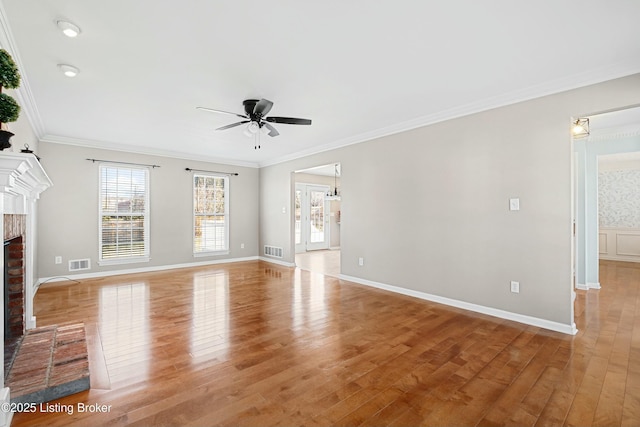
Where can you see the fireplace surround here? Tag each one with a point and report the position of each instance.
(22, 180)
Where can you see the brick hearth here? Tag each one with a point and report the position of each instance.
(50, 362)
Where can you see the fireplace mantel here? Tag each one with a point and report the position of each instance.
(22, 179)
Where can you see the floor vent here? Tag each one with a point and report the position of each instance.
(79, 264)
(273, 251)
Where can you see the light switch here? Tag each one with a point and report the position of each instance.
(514, 204)
(515, 287)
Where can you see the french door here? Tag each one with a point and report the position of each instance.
(311, 218)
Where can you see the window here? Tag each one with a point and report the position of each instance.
(124, 215)
(210, 214)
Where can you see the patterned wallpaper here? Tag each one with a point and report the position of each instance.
(619, 198)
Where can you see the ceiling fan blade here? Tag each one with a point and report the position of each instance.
(263, 107)
(232, 125)
(288, 120)
(221, 111)
(272, 130)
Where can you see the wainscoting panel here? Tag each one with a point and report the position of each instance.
(619, 244)
(602, 243)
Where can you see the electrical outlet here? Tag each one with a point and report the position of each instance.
(241, 245)
(515, 287)
(361, 261)
(58, 260)
(514, 204)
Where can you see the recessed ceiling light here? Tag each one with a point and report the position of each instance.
(69, 29)
(68, 70)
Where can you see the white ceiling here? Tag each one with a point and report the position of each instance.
(358, 69)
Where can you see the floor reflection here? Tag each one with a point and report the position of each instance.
(308, 304)
(124, 330)
(210, 325)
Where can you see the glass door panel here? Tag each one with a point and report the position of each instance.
(318, 225)
(298, 215)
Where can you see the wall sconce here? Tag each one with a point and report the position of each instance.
(580, 128)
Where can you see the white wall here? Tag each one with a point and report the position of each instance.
(68, 211)
(427, 209)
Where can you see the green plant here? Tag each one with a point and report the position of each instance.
(9, 75)
(9, 109)
(9, 78)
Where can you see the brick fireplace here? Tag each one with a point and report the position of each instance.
(22, 179)
(14, 285)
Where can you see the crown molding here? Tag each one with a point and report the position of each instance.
(54, 139)
(599, 75)
(23, 92)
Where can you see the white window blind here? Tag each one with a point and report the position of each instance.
(124, 214)
(210, 214)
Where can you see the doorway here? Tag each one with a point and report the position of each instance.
(316, 218)
(610, 133)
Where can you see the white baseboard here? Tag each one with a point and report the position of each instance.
(586, 287)
(30, 323)
(5, 400)
(516, 317)
(98, 274)
(275, 261)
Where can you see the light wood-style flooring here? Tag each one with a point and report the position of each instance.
(255, 344)
(325, 262)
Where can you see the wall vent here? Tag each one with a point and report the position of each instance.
(273, 251)
(79, 264)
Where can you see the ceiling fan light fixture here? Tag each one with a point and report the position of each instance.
(252, 129)
(256, 116)
(68, 29)
(68, 70)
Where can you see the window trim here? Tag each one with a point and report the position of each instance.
(227, 191)
(146, 257)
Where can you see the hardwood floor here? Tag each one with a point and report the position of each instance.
(254, 344)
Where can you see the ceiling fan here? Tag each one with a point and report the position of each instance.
(255, 115)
